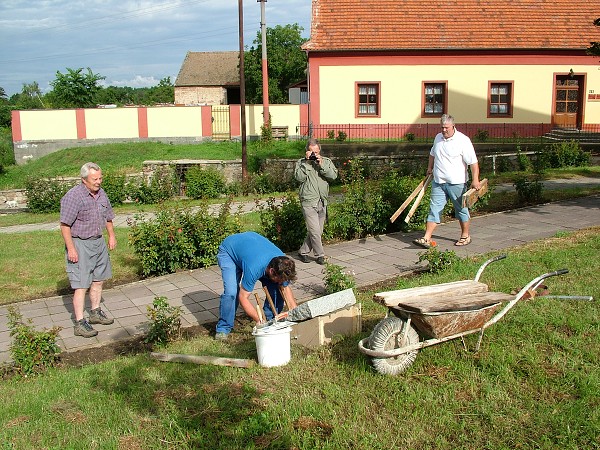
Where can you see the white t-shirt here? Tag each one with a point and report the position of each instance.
(452, 156)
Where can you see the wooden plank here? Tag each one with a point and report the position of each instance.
(453, 288)
(194, 359)
(415, 205)
(470, 197)
(445, 303)
(408, 200)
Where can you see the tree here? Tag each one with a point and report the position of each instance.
(164, 92)
(121, 95)
(75, 89)
(30, 97)
(3, 96)
(594, 48)
(285, 59)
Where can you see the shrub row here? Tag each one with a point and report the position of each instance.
(175, 239)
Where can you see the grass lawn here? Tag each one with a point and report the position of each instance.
(122, 158)
(533, 385)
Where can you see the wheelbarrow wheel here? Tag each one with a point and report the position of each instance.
(387, 335)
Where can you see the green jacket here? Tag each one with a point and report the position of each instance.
(314, 180)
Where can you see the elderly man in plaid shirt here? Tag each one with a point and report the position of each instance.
(85, 212)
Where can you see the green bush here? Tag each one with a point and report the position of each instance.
(341, 136)
(503, 164)
(482, 135)
(165, 322)
(283, 223)
(336, 279)
(32, 351)
(204, 183)
(524, 162)
(395, 189)
(43, 195)
(566, 154)
(160, 188)
(271, 179)
(266, 131)
(114, 186)
(362, 211)
(409, 137)
(176, 239)
(438, 261)
(528, 191)
(7, 154)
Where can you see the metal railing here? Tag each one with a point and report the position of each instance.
(478, 132)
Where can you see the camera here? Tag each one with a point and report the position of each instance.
(312, 157)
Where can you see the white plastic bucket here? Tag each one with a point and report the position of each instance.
(273, 346)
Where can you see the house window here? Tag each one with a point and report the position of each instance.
(434, 99)
(500, 99)
(367, 100)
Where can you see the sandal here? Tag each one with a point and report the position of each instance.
(464, 240)
(422, 242)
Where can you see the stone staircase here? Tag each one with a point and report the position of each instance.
(573, 134)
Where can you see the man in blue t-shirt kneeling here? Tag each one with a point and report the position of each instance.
(244, 259)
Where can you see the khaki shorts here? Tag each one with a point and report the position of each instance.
(93, 265)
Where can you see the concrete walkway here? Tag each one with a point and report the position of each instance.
(372, 260)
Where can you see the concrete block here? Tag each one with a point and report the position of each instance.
(321, 330)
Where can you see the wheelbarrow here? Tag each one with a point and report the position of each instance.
(437, 314)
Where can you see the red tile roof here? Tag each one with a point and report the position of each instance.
(462, 24)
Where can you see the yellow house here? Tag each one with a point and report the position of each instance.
(518, 67)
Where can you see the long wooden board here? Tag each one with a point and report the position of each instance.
(415, 205)
(444, 303)
(470, 197)
(451, 289)
(196, 359)
(409, 199)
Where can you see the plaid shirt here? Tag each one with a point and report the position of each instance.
(84, 212)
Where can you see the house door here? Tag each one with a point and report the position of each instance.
(568, 101)
(220, 122)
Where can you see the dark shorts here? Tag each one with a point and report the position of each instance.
(93, 265)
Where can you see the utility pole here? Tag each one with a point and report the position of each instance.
(243, 92)
(265, 69)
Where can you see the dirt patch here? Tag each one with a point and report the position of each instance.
(127, 347)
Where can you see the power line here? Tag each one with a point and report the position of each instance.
(110, 19)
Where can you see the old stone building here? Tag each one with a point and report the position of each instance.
(208, 78)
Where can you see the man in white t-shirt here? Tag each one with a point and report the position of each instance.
(450, 156)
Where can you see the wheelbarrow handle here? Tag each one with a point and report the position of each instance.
(485, 264)
(533, 284)
(559, 272)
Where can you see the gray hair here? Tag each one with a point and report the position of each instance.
(313, 141)
(85, 169)
(447, 118)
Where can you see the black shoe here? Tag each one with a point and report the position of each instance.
(321, 260)
(303, 258)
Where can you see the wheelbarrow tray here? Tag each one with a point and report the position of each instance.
(445, 309)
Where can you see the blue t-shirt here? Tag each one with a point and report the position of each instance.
(252, 253)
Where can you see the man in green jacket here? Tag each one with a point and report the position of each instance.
(314, 172)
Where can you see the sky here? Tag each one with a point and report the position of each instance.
(132, 43)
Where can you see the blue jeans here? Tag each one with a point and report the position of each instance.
(228, 306)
